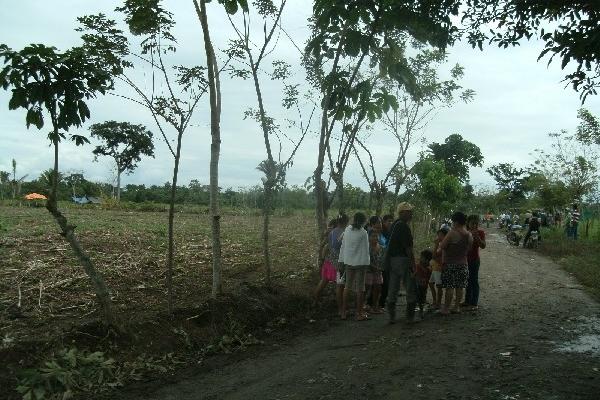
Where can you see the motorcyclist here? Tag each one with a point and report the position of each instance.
(534, 226)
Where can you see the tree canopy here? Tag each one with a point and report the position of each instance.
(457, 155)
(570, 30)
(124, 142)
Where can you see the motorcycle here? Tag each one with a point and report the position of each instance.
(533, 241)
(514, 234)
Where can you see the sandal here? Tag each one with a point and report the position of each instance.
(377, 311)
(363, 317)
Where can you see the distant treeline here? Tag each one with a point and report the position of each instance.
(292, 197)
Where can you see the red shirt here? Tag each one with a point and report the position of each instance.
(473, 254)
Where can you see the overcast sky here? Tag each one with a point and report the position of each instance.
(518, 102)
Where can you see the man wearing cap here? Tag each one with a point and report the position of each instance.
(400, 260)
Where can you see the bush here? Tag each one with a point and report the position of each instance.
(68, 373)
(580, 257)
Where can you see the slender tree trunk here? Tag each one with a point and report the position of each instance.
(171, 240)
(379, 198)
(339, 182)
(118, 185)
(68, 231)
(269, 183)
(215, 147)
(265, 236)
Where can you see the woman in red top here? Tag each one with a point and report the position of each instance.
(472, 295)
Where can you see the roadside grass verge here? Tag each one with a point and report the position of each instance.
(579, 257)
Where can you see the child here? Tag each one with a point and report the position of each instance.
(435, 282)
(327, 269)
(422, 275)
(374, 278)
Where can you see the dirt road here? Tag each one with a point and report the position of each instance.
(536, 336)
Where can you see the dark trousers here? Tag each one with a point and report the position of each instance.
(421, 294)
(384, 287)
(528, 235)
(472, 296)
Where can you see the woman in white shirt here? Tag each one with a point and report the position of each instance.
(354, 255)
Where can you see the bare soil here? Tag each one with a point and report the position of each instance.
(535, 336)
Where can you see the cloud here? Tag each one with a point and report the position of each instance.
(518, 102)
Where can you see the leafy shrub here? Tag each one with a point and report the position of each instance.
(67, 373)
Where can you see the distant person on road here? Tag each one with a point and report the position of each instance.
(473, 262)
(400, 261)
(455, 274)
(435, 281)
(422, 276)
(573, 223)
(328, 272)
(534, 226)
(354, 255)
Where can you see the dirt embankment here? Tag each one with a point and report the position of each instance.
(536, 336)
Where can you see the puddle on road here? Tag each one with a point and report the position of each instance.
(587, 330)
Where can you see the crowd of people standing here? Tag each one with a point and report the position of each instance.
(374, 258)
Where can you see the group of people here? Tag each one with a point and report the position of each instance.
(374, 258)
(533, 221)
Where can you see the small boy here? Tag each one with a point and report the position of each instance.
(422, 276)
(435, 282)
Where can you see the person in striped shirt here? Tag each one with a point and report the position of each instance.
(572, 228)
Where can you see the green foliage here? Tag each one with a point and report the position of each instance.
(588, 131)
(124, 142)
(352, 30)
(510, 180)
(150, 19)
(571, 162)
(457, 155)
(43, 79)
(66, 374)
(570, 30)
(436, 186)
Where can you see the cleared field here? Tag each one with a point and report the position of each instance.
(129, 250)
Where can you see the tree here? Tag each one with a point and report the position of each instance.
(16, 183)
(241, 50)
(4, 181)
(73, 180)
(588, 131)
(46, 179)
(457, 155)
(348, 35)
(570, 30)
(125, 143)
(214, 90)
(511, 181)
(109, 45)
(407, 121)
(571, 162)
(44, 80)
(439, 189)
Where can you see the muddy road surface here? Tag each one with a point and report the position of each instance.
(536, 336)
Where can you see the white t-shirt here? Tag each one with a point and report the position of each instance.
(355, 247)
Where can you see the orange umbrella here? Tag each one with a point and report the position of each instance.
(35, 196)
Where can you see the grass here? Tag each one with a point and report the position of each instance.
(128, 247)
(579, 257)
